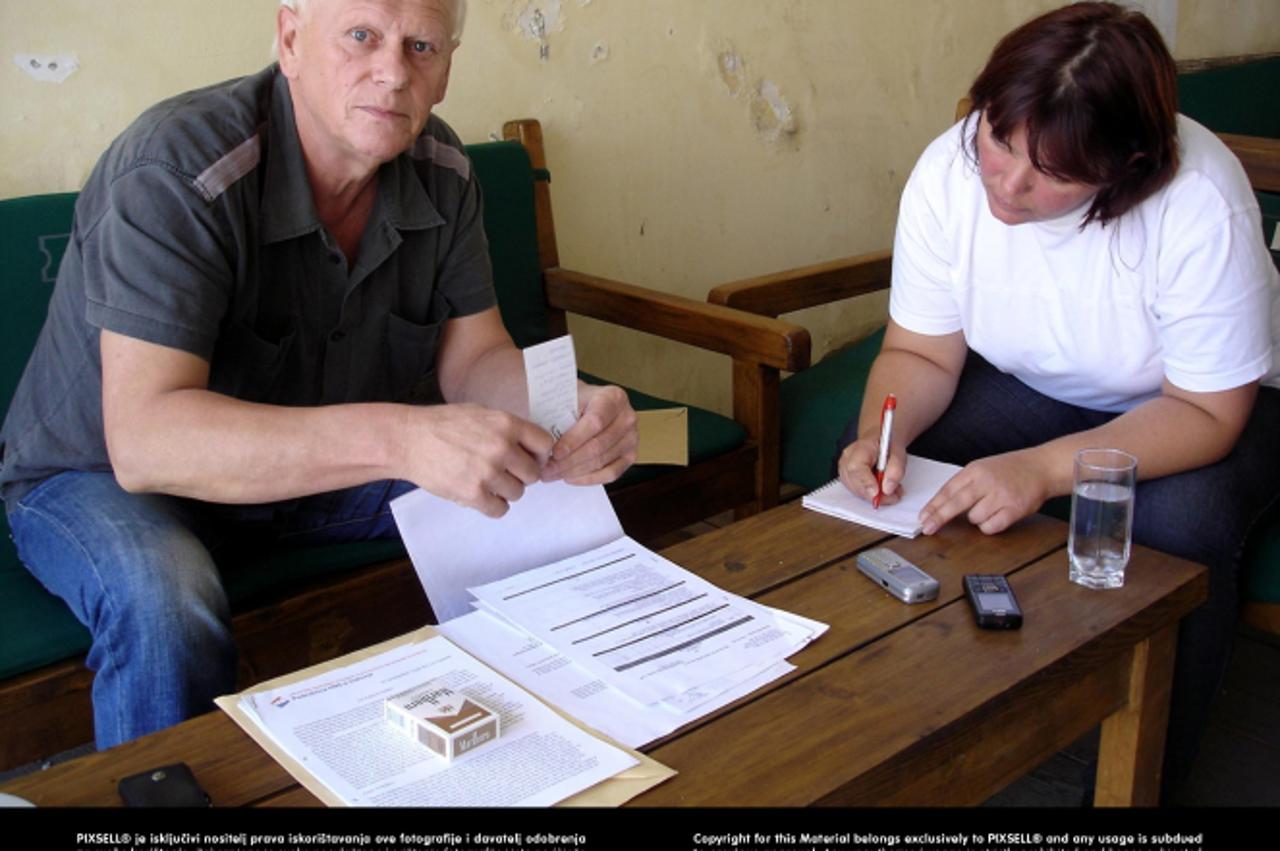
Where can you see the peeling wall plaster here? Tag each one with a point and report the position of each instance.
(771, 114)
(537, 20)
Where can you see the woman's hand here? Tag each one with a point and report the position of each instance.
(996, 492)
(857, 468)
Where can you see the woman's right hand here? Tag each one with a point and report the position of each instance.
(857, 468)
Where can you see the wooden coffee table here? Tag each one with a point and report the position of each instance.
(896, 704)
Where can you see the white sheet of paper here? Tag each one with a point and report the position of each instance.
(334, 725)
(923, 479)
(551, 373)
(453, 547)
(637, 621)
(557, 680)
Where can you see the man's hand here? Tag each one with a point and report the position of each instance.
(996, 492)
(602, 443)
(472, 455)
(857, 469)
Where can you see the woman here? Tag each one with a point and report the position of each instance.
(1076, 266)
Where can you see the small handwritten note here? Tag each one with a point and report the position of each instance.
(551, 371)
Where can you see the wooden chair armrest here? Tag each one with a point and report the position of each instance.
(1260, 157)
(743, 336)
(807, 286)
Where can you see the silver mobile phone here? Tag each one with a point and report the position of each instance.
(898, 576)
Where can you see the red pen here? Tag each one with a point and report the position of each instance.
(886, 434)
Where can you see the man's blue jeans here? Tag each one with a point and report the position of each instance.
(139, 571)
(1203, 515)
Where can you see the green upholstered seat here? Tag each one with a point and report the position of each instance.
(35, 627)
(816, 404)
(1237, 98)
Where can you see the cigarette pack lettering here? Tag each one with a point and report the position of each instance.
(443, 721)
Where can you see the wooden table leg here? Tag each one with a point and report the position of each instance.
(1131, 752)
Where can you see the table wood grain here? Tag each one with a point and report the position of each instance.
(895, 704)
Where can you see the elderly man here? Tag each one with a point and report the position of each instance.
(269, 283)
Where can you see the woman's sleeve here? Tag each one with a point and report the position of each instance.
(922, 297)
(1215, 292)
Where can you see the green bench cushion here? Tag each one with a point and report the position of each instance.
(506, 178)
(816, 405)
(1234, 98)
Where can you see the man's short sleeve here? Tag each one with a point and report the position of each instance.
(465, 272)
(155, 266)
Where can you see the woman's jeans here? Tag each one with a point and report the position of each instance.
(1203, 515)
(138, 570)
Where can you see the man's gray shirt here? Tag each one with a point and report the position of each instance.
(197, 231)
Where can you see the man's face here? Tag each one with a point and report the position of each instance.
(1016, 192)
(364, 75)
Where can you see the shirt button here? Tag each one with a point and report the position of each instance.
(337, 336)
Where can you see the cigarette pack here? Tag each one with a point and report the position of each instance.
(443, 721)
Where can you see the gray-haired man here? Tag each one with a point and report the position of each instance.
(267, 280)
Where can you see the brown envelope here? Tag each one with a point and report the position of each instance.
(664, 436)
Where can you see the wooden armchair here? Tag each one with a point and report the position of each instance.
(738, 470)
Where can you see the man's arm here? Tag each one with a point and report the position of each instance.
(167, 432)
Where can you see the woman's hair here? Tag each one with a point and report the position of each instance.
(1096, 90)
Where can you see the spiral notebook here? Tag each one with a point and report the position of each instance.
(923, 479)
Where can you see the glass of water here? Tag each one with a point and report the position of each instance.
(1101, 517)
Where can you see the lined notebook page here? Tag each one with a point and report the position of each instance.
(924, 478)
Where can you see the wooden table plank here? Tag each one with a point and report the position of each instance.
(771, 548)
(890, 687)
(227, 763)
(1131, 751)
(832, 729)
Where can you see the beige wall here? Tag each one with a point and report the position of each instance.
(692, 141)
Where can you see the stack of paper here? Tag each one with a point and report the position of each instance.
(615, 635)
(328, 730)
(923, 479)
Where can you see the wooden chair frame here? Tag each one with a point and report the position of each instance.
(745, 479)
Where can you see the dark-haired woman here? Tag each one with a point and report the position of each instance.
(1076, 265)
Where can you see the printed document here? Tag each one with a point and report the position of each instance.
(562, 683)
(924, 478)
(639, 622)
(332, 724)
(454, 547)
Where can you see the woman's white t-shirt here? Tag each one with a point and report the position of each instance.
(1181, 286)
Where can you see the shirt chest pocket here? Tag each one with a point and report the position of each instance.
(412, 349)
(252, 366)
